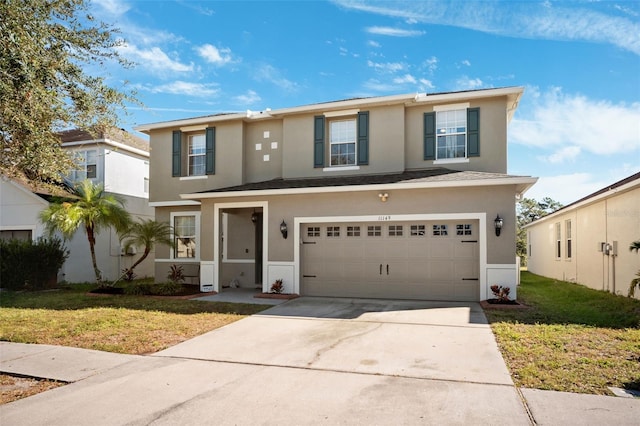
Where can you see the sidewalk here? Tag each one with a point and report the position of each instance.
(128, 381)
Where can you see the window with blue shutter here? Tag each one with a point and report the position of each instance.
(176, 163)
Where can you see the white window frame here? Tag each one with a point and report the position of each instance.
(80, 158)
(198, 244)
(344, 142)
(202, 154)
(438, 109)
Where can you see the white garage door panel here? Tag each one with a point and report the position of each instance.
(407, 260)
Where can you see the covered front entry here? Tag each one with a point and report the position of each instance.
(432, 260)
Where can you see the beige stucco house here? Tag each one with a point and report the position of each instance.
(587, 242)
(116, 159)
(382, 197)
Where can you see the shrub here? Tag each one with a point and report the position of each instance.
(277, 287)
(139, 289)
(168, 288)
(176, 274)
(31, 265)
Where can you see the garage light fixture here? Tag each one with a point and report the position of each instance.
(383, 196)
(283, 229)
(498, 224)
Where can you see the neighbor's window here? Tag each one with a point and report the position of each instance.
(567, 230)
(342, 138)
(184, 234)
(197, 155)
(558, 241)
(16, 234)
(87, 162)
(451, 133)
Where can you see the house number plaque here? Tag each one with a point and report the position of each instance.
(383, 218)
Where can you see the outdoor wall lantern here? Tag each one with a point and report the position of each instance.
(254, 216)
(498, 224)
(283, 229)
(383, 196)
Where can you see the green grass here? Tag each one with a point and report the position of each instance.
(571, 338)
(123, 324)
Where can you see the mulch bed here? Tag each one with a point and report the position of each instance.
(495, 304)
(276, 296)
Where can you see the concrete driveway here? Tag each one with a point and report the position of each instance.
(308, 361)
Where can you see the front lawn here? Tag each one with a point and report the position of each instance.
(571, 338)
(114, 323)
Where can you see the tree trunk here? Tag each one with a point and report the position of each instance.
(92, 243)
(147, 250)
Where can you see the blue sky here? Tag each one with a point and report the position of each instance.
(577, 127)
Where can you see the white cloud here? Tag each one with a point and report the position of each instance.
(405, 79)
(387, 67)
(373, 43)
(466, 63)
(249, 98)
(564, 21)
(112, 7)
(214, 55)
(393, 32)
(378, 86)
(559, 120)
(186, 88)
(466, 83)
(431, 64)
(154, 58)
(271, 74)
(426, 84)
(568, 153)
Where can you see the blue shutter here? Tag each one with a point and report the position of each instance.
(318, 141)
(429, 135)
(473, 132)
(210, 151)
(176, 154)
(363, 138)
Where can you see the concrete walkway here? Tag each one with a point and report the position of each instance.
(308, 361)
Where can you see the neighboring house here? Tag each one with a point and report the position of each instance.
(383, 197)
(587, 242)
(115, 159)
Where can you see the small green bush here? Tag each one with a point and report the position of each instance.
(146, 289)
(167, 289)
(139, 289)
(31, 265)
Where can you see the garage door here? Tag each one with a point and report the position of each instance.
(397, 260)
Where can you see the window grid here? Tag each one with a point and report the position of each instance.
(417, 230)
(558, 241)
(333, 231)
(464, 229)
(568, 234)
(342, 141)
(353, 231)
(374, 231)
(87, 162)
(313, 231)
(184, 231)
(395, 230)
(451, 128)
(197, 155)
(440, 231)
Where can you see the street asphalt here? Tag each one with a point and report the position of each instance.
(306, 361)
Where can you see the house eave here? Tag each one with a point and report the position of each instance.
(114, 144)
(522, 185)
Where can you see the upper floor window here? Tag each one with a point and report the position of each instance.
(342, 137)
(452, 133)
(451, 127)
(87, 163)
(197, 155)
(194, 154)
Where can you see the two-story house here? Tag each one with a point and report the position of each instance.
(116, 159)
(399, 197)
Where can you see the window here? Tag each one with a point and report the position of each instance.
(440, 231)
(451, 128)
(451, 133)
(184, 236)
(558, 241)
(87, 163)
(197, 155)
(16, 234)
(567, 231)
(374, 231)
(529, 241)
(146, 185)
(342, 139)
(333, 231)
(463, 229)
(395, 230)
(417, 230)
(353, 231)
(313, 231)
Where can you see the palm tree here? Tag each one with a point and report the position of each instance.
(146, 233)
(635, 246)
(90, 208)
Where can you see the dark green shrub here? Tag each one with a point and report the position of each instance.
(139, 289)
(31, 265)
(167, 289)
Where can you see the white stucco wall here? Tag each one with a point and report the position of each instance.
(19, 208)
(124, 173)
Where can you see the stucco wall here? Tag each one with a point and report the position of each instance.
(20, 209)
(614, 219)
